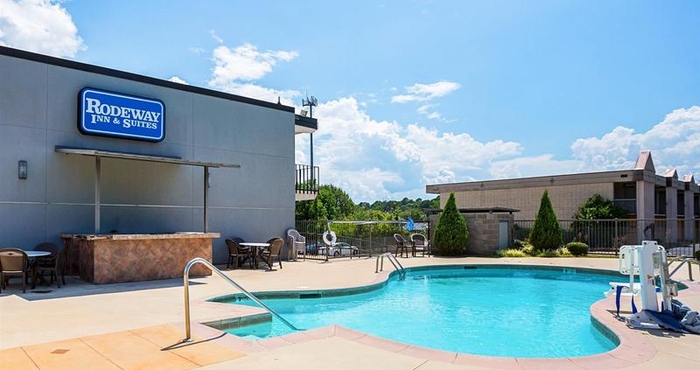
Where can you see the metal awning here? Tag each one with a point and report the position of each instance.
(98, 154)
(140, 157)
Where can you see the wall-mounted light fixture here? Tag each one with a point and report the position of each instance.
(22, 170)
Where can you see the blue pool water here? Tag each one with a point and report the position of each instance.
(508, 312)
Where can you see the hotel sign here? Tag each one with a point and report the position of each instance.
(107, 113)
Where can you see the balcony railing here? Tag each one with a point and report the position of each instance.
(306, 179)
(630, 205)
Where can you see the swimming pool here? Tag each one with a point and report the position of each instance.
(485, 310)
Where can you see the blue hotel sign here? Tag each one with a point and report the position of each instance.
(107, 113)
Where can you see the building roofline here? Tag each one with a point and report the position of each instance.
(70, 64)
(553, 180)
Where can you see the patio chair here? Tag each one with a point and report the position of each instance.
(238, 254)
(53, 263)
(419, 243)
(14, 262)
(296, 244)
(401, 245)
(267, 255)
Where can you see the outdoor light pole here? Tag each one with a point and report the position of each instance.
(311, 102)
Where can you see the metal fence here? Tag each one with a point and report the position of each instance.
(369, 238)
(354, 238)
(679, 237)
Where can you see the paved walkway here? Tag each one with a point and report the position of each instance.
(140, 326)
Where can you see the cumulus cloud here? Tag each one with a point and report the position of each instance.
(246, 63)
(673, 142)
(385, 160)
(41, 26)
(426, 92)
(236, 69)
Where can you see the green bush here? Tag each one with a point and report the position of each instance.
(451, 233)
(563, 252)
(577, 248)
(519, 244)
(528, 249)
(697, 254)
(546, 232)
(511, 253)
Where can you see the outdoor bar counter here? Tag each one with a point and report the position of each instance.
(119, 258)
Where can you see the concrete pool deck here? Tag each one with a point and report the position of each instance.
(139, 326)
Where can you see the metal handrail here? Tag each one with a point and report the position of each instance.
(186, 283)
(397, 265)
(683, 261)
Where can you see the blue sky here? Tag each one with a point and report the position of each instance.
(418, 92)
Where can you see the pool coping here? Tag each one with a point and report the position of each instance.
(634, 346)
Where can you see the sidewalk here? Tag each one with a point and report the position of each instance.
(126, 326)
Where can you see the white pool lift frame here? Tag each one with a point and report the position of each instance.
(649, 262)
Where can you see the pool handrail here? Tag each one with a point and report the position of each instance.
(397, 265)
(186, 285)
(683, 260)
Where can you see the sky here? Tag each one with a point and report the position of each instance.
(417, 92)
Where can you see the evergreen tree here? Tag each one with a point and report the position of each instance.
(546, 233)
(451, 233)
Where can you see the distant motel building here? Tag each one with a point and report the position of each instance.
(650, 198)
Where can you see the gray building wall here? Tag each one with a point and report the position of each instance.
(38, 110)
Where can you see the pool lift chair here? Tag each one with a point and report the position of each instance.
(648, 262)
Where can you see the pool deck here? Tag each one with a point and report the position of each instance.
(140, 326)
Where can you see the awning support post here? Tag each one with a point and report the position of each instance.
(206, 196)
(98, 172)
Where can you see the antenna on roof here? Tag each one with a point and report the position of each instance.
(311, 102)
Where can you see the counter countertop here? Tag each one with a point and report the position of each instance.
(178, 235)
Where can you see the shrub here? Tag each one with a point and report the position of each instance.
(577, 248)
(511, 253)
(697, 254)
(548, 253)
(563, 252)
(546, 232)
(529, 249)
(519, 244)
(451, 233)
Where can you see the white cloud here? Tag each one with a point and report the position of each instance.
(41, 26)
(245, 63)
(286, 97)
(216, 37)
(426, 92)
(382, 160)
(674, 143)
(235, 68)
(178, 80)
(428, 111)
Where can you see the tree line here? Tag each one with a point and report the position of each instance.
(332, 203)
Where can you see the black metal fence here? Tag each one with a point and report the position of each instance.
(306, 179)
(679, 237)
(353, 238)
(367, 238)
